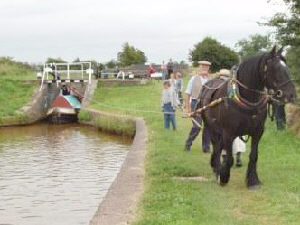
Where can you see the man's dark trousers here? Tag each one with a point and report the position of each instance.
(280, 116)
(195, 131)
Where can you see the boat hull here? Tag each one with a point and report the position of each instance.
(62, 115)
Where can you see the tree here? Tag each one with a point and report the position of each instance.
(254, 45)
(288, 33)
(77, 60)
(131, 55)
(218, 54)
(111, 64)
(287, 24)
(293, 56)
(55, 60)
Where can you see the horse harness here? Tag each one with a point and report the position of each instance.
(235, 100)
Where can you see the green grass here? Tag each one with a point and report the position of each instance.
(13, 70)
(170, 201)
(110, 123)
(14, 91)
(13, 95)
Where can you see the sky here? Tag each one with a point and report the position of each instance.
(32, 30)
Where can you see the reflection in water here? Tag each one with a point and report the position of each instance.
(56, 174)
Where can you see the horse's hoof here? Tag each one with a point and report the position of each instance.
(220, 182)
(254, 187)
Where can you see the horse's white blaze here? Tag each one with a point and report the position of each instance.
(283, 63)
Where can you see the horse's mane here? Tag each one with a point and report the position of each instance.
(252, 65)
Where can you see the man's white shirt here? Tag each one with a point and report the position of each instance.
(190, 84)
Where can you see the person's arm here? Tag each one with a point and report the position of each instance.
(162, 101)
(174, 100)
(188, 104)
(188, 93)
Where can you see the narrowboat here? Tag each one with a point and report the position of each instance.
(64, 109)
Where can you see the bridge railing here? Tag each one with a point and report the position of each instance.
(67, 72)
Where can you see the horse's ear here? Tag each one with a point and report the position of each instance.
(273, 51)
(280, 51)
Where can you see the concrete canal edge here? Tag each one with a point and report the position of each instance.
(120, 203)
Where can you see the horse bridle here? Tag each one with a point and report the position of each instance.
(279, 92)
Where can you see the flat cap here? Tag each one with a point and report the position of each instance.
(204, 63)
(224, 72)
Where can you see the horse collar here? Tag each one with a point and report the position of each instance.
(233, 93)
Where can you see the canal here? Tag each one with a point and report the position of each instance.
(56, 174)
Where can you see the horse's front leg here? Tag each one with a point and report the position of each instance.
(216, 154)
(228, 159)
(252, 177)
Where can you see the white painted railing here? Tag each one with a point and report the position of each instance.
(59, 69)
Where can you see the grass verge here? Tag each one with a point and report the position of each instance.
(13, 95)
(171, 201)
(109, 123)
(15, 92)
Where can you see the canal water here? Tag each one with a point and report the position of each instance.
(56, 174)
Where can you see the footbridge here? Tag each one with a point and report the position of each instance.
(69, 72)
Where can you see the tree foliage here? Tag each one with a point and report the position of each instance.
(287, 24)
(218, 54)
(111, 64)
(131, 55)
(254, 45)
(288, 33)
(293, 60)
(55, 60)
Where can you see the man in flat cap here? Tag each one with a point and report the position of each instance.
(193, 91)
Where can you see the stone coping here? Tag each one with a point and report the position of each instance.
(120, 203)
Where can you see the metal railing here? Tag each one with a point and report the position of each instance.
(57, 70)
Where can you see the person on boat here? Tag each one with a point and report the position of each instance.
(193, 91)
(65, 90)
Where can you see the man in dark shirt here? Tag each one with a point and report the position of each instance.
(280, 116)
(170, 68)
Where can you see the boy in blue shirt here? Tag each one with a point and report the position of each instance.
(169, 104)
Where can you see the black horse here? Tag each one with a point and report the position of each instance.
(243, 109)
